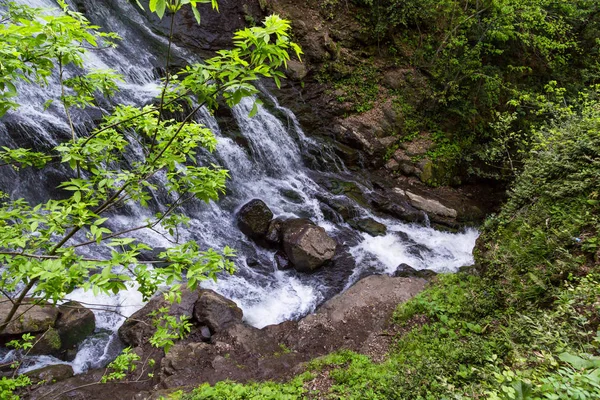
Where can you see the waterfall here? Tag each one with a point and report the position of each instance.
(270, 167)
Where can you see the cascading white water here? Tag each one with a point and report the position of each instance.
(270, 168)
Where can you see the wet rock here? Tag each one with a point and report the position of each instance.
(370, 226)
(406, 271)
(273, 236)
(74, 324)
(292, 195)
(138, 328)
(254, 218)
(431, 206)
(350, 156)
(282, 262)
(329, 213)
(426, 274)
(342, 206)
(215, 311)
(307, 245)
(35, 319)
(50, 374)
(47, 343)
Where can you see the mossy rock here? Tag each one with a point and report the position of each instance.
(370, 226)
(47, 343)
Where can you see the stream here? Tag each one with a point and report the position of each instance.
(270, 165)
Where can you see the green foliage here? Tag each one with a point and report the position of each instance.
(358, 84)
(121, 366)
(9, 385)
(478, 57)
(259, 391)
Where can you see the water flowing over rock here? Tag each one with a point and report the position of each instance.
(268, 156)
(307, 246)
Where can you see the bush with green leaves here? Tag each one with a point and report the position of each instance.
(41, 244)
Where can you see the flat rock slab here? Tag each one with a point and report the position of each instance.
(28, 318)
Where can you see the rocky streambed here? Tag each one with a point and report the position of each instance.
(221, 346)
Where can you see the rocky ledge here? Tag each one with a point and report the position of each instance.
(221, 346)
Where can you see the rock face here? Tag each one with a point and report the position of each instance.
(215, 311)
(306, 245)
(254, 218)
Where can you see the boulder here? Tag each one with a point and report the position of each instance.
(307, 245)
(404, 271)
(138, 328)
(50, 374)
(74, 324)
(215, 311)
(370, 226)
(47, 343)
(254, 218)
(34, 319)
(430, 206)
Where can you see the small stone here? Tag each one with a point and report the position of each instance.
(392, 165)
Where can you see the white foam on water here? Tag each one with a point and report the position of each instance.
(426, 248)
(279, 300)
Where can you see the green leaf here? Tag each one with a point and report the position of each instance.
(196, 14)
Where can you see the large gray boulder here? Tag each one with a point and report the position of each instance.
(215, 311)
(254, 218)
(307, 245)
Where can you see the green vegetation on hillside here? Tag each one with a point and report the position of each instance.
(487, 68)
